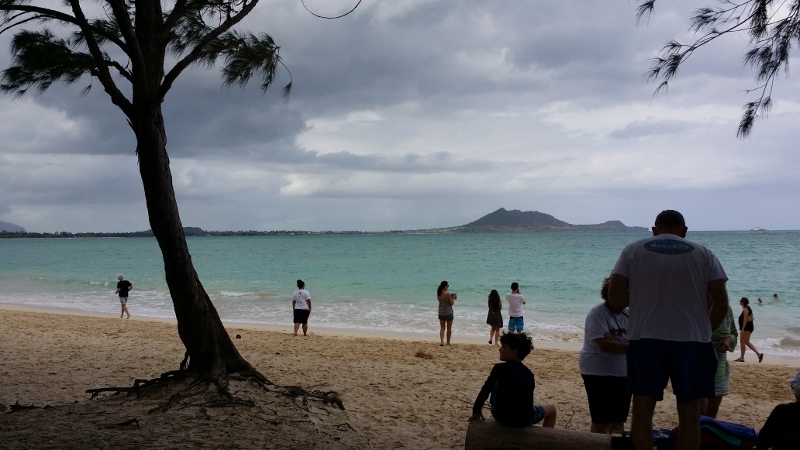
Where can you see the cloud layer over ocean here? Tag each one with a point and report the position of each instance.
(422, 114)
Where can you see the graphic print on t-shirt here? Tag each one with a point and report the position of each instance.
(669, 247)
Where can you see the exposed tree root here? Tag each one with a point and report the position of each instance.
(255, 377)
(17, 407)
(141, 387)
(328, 398)
(133, 421)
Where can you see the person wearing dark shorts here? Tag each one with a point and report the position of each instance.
(690, 366)
(123, 287)
(301, 307)
(746, 326)
(445, 311)
(603, 367)
(676, 292)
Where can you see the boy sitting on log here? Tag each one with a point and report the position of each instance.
(511, 386)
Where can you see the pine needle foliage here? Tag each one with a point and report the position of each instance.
(771, 27)
(107, 47)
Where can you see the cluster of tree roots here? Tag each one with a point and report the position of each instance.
(142, 387)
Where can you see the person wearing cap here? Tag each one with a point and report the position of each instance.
(676, 294)
(780, 430)
(123, 287)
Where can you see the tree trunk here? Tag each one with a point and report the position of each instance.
(211, 351)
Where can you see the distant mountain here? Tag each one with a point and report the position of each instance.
(503, 220)
(11, 228)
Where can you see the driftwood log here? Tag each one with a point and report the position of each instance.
(488, 434)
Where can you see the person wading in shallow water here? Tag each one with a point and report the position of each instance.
(446, 300)
(746, 328)
(123, 287)
(301, 307)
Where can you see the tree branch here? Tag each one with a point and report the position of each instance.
(62, 17)
(128, 33)
(772, 27)
(174, 17)
(198, 50)
(16, 24)
(103, 74)
(122, 70)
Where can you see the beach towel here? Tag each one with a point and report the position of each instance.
(720, 435)
(662, 440)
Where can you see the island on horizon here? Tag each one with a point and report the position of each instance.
(499, 221)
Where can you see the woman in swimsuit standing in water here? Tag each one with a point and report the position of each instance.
(746, 327)
(446, 301)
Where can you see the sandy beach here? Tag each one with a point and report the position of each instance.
(397, 393)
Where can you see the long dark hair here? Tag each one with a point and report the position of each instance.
(746, 304)
(442, 285)
(494, 301)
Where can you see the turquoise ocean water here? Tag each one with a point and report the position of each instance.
(387, 282)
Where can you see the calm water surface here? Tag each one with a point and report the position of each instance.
(388, 281)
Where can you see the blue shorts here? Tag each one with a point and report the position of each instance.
(690, 366)
(516, 323)
(123, 300)
(537, 415)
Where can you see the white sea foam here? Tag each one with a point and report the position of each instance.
(235, 294)
(387, 282)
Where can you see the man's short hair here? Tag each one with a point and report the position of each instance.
(670, 217)
(514, 286)
(521, 342)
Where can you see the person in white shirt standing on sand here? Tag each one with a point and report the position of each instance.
(515, 301)
(301, 307)
(669, 284)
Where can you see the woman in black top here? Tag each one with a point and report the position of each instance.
(746, 329)
(495, 317)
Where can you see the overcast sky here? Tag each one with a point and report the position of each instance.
(420, 114)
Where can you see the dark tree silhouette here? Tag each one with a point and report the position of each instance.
(772, 27)
(127, 43)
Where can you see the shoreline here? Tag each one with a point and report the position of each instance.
(421, 337)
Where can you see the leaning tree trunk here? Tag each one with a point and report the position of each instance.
(209, 347)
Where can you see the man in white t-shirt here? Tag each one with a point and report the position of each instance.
(515, 301)
(301, 307)
(669, 284)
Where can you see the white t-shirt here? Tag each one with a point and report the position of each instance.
(668, 280)
(515, 304)
(594, 361)
(301, 298)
